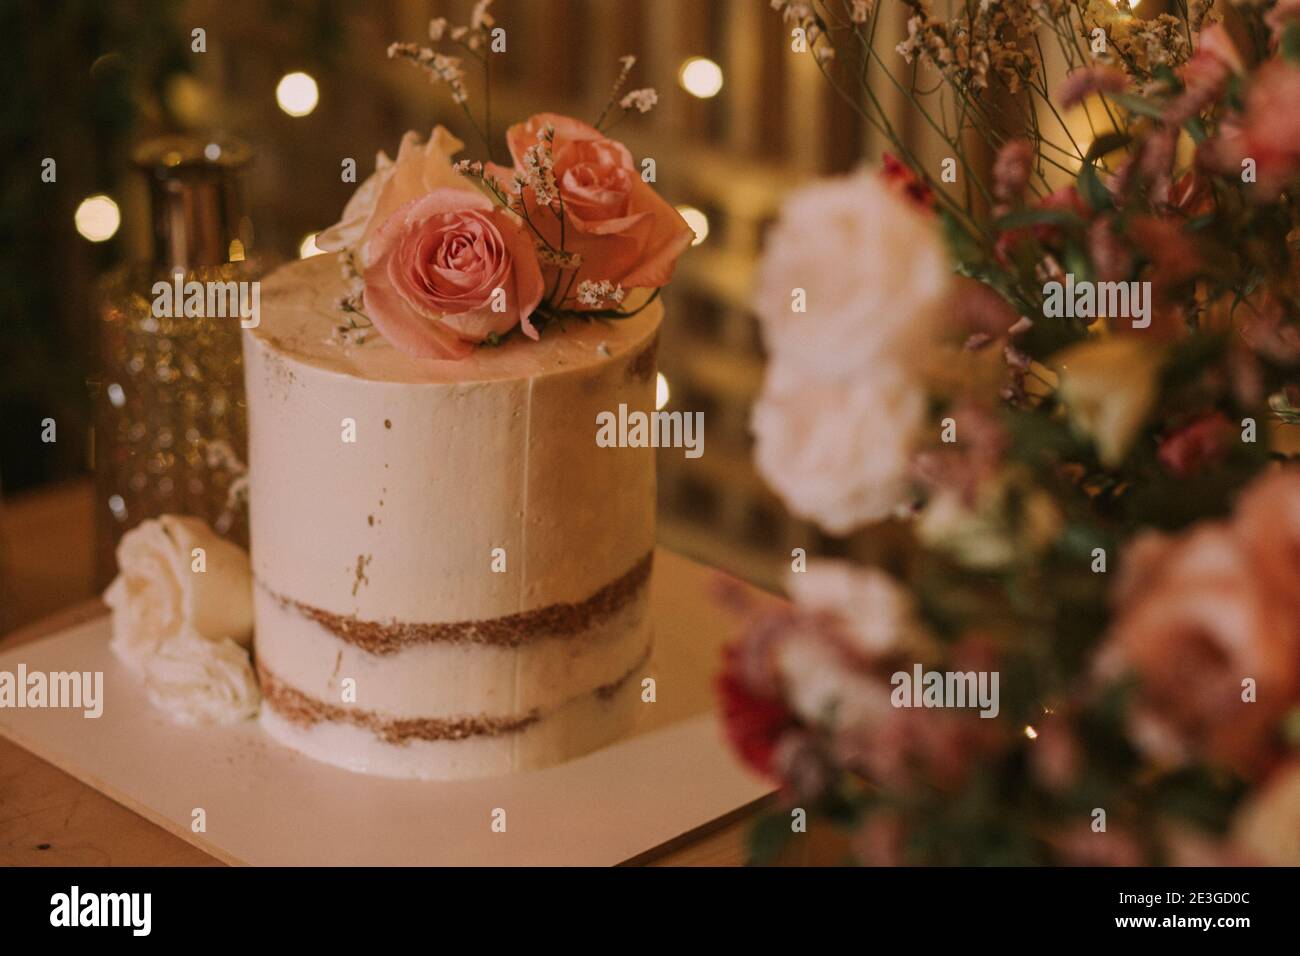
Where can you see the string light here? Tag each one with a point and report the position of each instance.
(700, 77)
(97, 218)
(297, 94)
(1030, 732)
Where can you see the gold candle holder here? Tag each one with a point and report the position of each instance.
(170, 418)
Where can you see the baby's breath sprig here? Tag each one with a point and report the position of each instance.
(602, 293)
(642, 100)
(558, 257)
(539, 169)
(439, 66)
(512, 200)
(626, 62)
(555, 312)
(356, 325)
(474, 39)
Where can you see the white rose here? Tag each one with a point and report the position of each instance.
(874, 272)
(198, 681)
(838, 451)
(822, 688)
(421, 167)
(178, 582)
(878, 615)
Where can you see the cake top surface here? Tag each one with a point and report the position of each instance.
(299, 313)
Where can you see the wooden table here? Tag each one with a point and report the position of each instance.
(49, 818)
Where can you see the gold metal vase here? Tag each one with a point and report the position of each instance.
(170, 419)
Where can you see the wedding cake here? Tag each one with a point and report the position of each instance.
(451, 578)
(450, 574)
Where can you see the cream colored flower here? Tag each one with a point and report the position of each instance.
(420, 168)
(157, 589)
(869, 268)
(198, 681)
(179, 586)
(987, 534)
(877, 614)
(838, 451)
(824, 690)
(1108, 386)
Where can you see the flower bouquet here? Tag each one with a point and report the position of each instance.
(1072, 375)
(445, 255)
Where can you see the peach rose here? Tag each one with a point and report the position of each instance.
(420, 168)
(1268, 132)
(623, 230)
(1191, 628)
(447, 270)
(1268, 521)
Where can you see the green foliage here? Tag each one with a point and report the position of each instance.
(767, 838)
(1291, 42)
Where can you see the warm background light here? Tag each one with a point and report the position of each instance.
(308, 248)
(700, 77)
(661, 392)
(97, 218)
(297, 94)
(698, 222)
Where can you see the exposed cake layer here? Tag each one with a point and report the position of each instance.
(554, 620)
(448, 536)
(499, 668)
(449, 748)
(473, 489)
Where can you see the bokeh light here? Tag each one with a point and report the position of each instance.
(97, 218)
(700, 77)
(297, 94)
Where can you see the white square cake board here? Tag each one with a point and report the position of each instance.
(267, 805)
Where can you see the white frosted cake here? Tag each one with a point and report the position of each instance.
(463, 589)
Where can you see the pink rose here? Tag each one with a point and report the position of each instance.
(917, 748)
(1079, 845)
(1205, 74)
(1200, 443)
(1284, 12)
(623, 230)
(1084, 82)
(1268, 522)
(1268, 133)
(446, 271)
(1194, 620)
